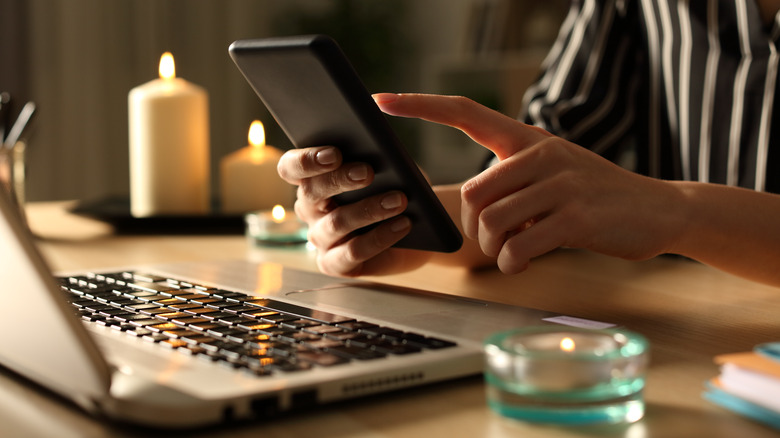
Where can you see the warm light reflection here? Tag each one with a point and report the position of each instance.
(167, 67)
(278, 213)
(567, 344)
(269, 279)
(256, 134)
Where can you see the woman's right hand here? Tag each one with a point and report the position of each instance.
(321, 174)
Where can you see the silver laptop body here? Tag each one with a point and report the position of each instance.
(126, 378)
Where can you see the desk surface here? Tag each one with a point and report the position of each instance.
(689, 312)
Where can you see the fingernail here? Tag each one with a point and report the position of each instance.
(326, 156)
(392, 201)
(385, 97)
(358, 173)
(400, 224)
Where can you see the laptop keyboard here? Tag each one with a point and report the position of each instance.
(257, 334)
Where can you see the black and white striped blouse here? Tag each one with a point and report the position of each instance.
(690, 84)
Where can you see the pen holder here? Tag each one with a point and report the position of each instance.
(566, 376)
(12, 173)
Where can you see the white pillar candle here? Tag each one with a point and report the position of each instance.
(169, 146)
(249, 178)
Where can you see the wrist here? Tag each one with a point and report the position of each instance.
(682, 212)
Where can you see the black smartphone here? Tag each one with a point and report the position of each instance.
(317, 98)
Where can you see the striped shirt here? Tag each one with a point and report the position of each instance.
(689, 85)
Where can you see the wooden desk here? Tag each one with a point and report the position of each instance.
(689, 312)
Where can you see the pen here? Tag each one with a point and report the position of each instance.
(5, 103)
(20, 125)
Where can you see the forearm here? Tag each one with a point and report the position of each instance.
(733, 229)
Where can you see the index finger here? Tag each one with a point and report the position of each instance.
(296, 165)
(501, 134)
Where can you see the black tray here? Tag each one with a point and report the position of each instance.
(116, 212)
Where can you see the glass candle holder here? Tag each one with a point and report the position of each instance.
(275, 228)
(566, 375)
(12, 174)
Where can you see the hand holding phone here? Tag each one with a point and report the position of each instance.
(312, 91)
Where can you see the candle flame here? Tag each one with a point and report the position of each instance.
(567, 344)
(256, 134)
(278, 213)
(167, 67)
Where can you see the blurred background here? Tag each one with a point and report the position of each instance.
(78, 59)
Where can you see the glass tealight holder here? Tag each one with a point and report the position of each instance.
(566, 375)
(275, 228)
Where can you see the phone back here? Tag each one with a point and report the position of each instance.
(315, 95)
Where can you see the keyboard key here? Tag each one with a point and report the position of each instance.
(219, 293)
(194, 296)
(424, 342)
(238, 309)
(258, 314)
(203, 311)
(278, 318)
(167, 302)
(142, 306)
(385, 332)
(322, 329)
(256, 326)
(146, 278)
(393, 348)
(363, 341)
(145, 322)
(181, 333)
(352, 352)
(232, 319)
(355, 325)
(155, 311)
(189, 306)
(172, 315)
(202, 327)
(189, 320)
(224, 331)
(162, 326)
(321, 358)
(220, 304)
(322, 343)
(343, 336)
(151, 287)
(203, 300)
(299, 323)
(198, 339)
(140, 317)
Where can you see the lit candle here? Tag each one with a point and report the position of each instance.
(275, 227)
(169, 146)
(566, 375)
(249, 178)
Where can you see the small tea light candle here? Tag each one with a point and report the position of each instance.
(275, 227)
(566, 375)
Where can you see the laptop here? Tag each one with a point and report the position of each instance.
(159, 369)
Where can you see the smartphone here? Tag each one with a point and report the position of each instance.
(317, 98)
